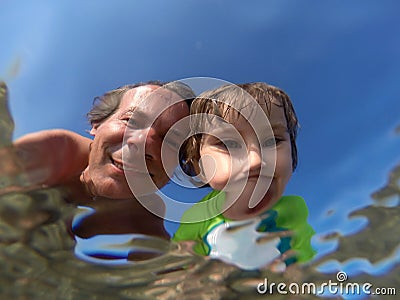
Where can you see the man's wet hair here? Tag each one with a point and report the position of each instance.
(105, 105)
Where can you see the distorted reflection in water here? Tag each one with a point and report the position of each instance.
(37, 259)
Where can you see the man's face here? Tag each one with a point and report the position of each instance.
(235, 157)
(127, 145)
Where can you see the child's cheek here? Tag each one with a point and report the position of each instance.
(217, 170)
(283, 167)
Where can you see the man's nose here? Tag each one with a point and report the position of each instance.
(136, 140)
(153, 145)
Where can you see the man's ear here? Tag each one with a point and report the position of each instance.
(93, 131)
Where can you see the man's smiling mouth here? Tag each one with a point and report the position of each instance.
(117, 164)
(125, 168)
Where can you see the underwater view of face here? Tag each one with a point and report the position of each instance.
(143, 118)
(238, 158)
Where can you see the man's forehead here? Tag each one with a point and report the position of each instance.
(152, 104)
(140, 92)
(153, 92)
(144, 90)
(148, 98)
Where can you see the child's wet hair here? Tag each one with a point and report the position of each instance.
(227, 102)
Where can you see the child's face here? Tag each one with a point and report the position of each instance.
(234, 158)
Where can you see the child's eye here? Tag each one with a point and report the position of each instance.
(231, 144)
(271, 142)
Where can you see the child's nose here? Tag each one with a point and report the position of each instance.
(255, 159)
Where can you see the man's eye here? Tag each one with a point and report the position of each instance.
(172, 143)
(131, 122)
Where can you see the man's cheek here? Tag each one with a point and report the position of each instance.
(169, 161)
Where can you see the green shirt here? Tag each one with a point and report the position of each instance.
(289, 213)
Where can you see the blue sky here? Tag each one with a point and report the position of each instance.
(339, 62)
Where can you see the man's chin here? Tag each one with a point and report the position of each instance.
(142, 186)
(118, 195)
(139, 190)
(112, 190)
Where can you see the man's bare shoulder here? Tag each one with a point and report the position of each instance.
(53, 136)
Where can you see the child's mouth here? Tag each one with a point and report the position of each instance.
(261, 202)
